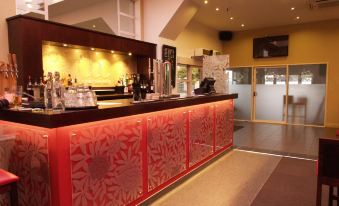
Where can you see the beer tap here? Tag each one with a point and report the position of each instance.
(1, 66)
(15, 65)
(10, 69)
(5, 70)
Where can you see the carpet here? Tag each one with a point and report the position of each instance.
(292, 183)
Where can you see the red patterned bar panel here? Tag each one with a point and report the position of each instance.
(29, 160)
(201, 133)
(6, 145)
(106, 161)
(166, 143)
(224, 124)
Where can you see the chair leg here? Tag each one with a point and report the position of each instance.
(319, 191)
(14, 195)
(330, 196)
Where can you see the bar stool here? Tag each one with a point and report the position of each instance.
(8, 183)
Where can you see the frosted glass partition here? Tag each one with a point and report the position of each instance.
(270, 93)
(240, 81)
(307, 89)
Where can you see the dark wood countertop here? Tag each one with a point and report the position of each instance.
(122, 108)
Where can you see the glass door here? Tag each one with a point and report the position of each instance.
(270, 94)
(307, 91)
(240, 81)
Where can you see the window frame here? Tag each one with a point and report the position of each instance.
(189, 79)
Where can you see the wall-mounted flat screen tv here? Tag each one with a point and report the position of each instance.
(273, 46)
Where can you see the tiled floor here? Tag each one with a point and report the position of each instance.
(246, 178)
(234, 180)
(299, 141)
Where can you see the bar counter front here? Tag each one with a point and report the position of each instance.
(119, 154)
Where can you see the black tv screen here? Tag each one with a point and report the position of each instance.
(273, 46)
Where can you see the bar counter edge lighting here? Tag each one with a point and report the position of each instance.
(119, 155)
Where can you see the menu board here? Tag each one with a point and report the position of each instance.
(169, 54)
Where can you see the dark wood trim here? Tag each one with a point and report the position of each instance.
(73, 27)
(53, 120)
(27, 34)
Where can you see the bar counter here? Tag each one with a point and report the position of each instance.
(122, 108)
(118, 154)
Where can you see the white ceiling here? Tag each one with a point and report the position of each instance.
(256, 14)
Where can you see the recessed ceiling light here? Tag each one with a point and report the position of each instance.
(217, 9)
(29, 6)
(129, 53)
(205, 2)
(92, 49)
(242, 25)
(298, 17)
(93, 26)
(65, 45)
(292, 8)
(231, 18)
(112, 51)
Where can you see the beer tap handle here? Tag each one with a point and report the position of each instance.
(15, 63)
(10, 65)
(2, 64)
(6, 70)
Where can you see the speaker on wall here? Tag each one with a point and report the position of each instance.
(225, 35)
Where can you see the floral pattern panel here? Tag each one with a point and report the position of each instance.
(201, 127)
(6, 145)
(224, 124)
(29, 160)
(106, 163)
(166, 141)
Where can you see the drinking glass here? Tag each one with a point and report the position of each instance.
(17, 101)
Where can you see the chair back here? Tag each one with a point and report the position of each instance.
(328, 158)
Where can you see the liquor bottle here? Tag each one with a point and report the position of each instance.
(143, 89)
(36, 91)
(42, 86)
(29, 89)
(136, 88)
(57, 93)
(125, 83)
(75, 81)
(69, 80)
(48, 88)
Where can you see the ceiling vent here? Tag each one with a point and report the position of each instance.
(315, 4)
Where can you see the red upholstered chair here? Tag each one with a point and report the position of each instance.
(8, 183)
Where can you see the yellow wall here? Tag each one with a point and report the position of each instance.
(195, 35)
(95, 68)
(308, 43)
(7, 9)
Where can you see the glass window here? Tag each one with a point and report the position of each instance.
(182, 79)
(188, 79)
(196, 77)
(182, 72)
(307, 89)
(240, 81)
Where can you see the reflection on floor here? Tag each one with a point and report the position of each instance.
(234, 179)
(296, 141)
(244, 176)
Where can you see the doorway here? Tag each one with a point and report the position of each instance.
(286, 94)
(270, 93)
